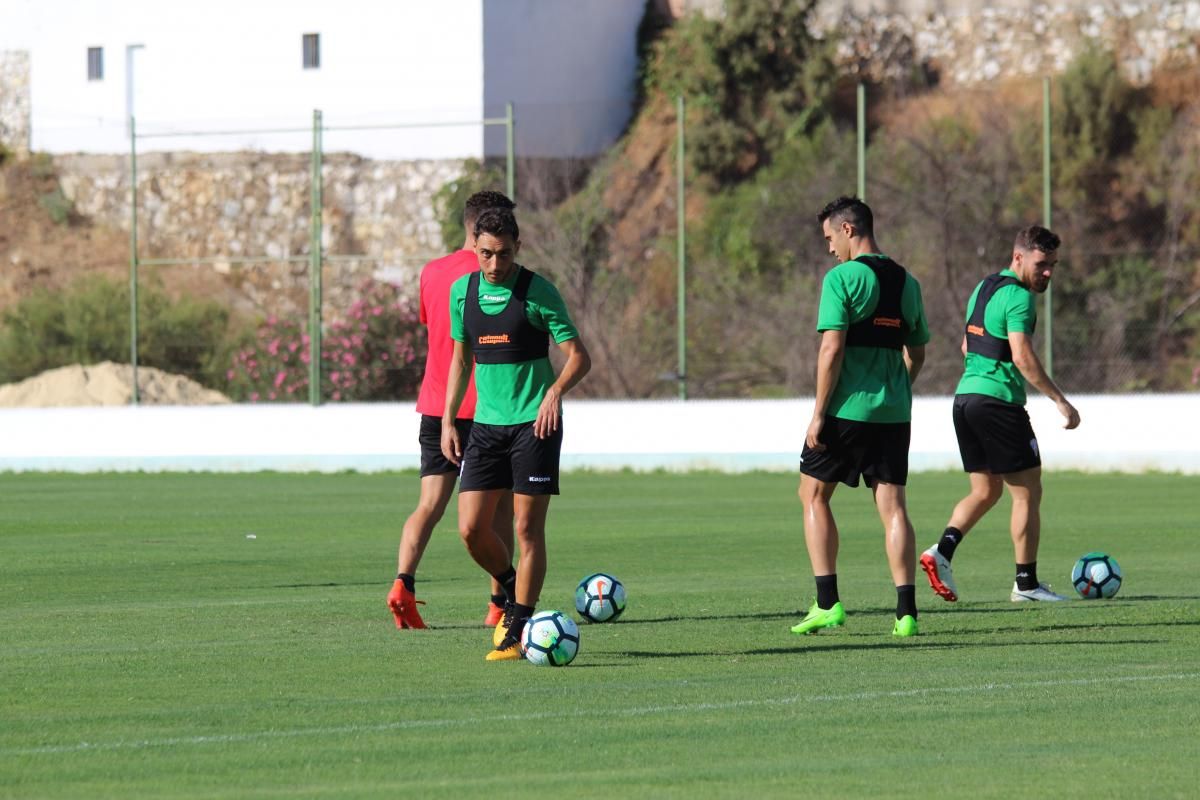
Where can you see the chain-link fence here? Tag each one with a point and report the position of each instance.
(682, 285)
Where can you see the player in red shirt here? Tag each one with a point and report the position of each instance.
(437, 473)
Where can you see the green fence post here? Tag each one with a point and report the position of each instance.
(510, 153)
(1046, 205)
(133, 261)
(862, 141)
(681, 253)
(314, 269)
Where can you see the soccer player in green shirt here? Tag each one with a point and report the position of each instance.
(995, 438)
(503, 318)
(873, 335)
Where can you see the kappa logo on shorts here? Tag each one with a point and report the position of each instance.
(1034, 447)
(539, 479)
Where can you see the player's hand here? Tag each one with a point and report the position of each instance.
(451, 446)
(813, 437)
(547, 416)
(1069, 414)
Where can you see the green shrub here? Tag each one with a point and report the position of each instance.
(89, 322)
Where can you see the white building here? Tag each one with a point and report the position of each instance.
(567, 66)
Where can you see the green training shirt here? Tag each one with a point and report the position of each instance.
(510, 394)
(873, 385)
(1011, 308)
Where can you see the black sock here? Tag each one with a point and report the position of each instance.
(508, 583)
(498, 599)
(827, 593)
(408, 580)
(521, 615)
(906, 601)
(950, 539)
(1027, 576)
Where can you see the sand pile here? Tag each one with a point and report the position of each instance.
(106, 384)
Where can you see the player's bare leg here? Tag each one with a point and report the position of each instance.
(899, 539)
(901, 545)
(986, 490)
(821, 539)
(820, 528)
(476, 512)
(1026, 524)
(1026, 528)
(502, 526)
(431, 506)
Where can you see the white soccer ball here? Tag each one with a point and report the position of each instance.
(600, 597)
(550, 639)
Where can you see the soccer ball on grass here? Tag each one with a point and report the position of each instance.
(1096, 575)
(550, 639)
(600, 597)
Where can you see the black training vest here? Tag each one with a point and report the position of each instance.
(978, 339)
(886, 326)
(507, 337)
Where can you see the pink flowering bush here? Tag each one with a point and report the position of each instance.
(374, 351)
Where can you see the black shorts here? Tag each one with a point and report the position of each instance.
(994, 436)
(511, 457)
(878, 451)
(432, 460)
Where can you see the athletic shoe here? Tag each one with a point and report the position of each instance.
(403, 605)
(1041, 592)
(941, 577)
(509, 649)
(905, 626)
(495, 613)
(501, 629)
(818, 618)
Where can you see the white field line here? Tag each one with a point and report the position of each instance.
(637, 711)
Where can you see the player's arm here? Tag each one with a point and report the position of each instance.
(964, 346)
(914, 359)
(829, 367)
(456, 389)
(578, 364)
(1026, 360)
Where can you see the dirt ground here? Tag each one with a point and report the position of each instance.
(105, 384)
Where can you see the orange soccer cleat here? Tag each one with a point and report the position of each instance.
(403, 605)
(495, 613)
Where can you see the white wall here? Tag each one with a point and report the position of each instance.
(229, 65)
(224, 64)
(568, 66)
(1131, 433)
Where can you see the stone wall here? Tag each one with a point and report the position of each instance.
(14, 101)
(219, 208)
(972, 42)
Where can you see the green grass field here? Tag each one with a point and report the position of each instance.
(149, 647)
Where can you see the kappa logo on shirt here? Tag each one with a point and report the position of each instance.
(493, 298)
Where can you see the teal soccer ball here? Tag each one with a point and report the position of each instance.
(550, 639)
(1096, 575)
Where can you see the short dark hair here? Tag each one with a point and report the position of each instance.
(481, 201)
(852, 210)
(497, 222)
(1035, 237)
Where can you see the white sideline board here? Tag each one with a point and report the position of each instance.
(1124, 433)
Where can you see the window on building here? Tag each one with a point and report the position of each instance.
(312, 50)
(95, 63)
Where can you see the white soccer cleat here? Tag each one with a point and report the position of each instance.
(1041, 592)
(941, 576)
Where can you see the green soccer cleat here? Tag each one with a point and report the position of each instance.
(818, 618)
(905, 626)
